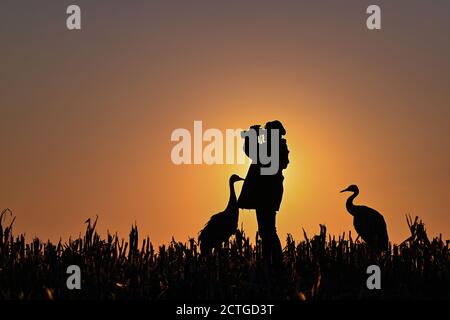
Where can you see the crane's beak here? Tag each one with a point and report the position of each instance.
(241, 179)
(344, 190)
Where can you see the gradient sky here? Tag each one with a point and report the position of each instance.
(86, 116)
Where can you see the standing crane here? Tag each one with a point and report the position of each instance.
(222, 225)
(368, 222)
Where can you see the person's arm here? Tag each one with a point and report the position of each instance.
(247, 140)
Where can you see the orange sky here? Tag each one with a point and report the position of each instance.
(86, 117)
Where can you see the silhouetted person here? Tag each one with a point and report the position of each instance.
(222, 225)
(265, 192)
(368, 222)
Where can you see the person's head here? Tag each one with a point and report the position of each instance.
(276, 124)
(262, 145)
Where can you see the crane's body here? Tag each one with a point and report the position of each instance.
(368, 222)
(222, 225)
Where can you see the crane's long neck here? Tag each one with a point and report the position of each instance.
(350, 206)
(232, 202)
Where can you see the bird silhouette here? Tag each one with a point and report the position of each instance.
(222, 225)
(368, 222)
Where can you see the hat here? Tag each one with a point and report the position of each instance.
(276, 125)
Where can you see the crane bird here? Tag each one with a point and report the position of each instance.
(368, 222)
(222, 225)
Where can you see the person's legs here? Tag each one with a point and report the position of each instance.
(271, 245)
(263, 230)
